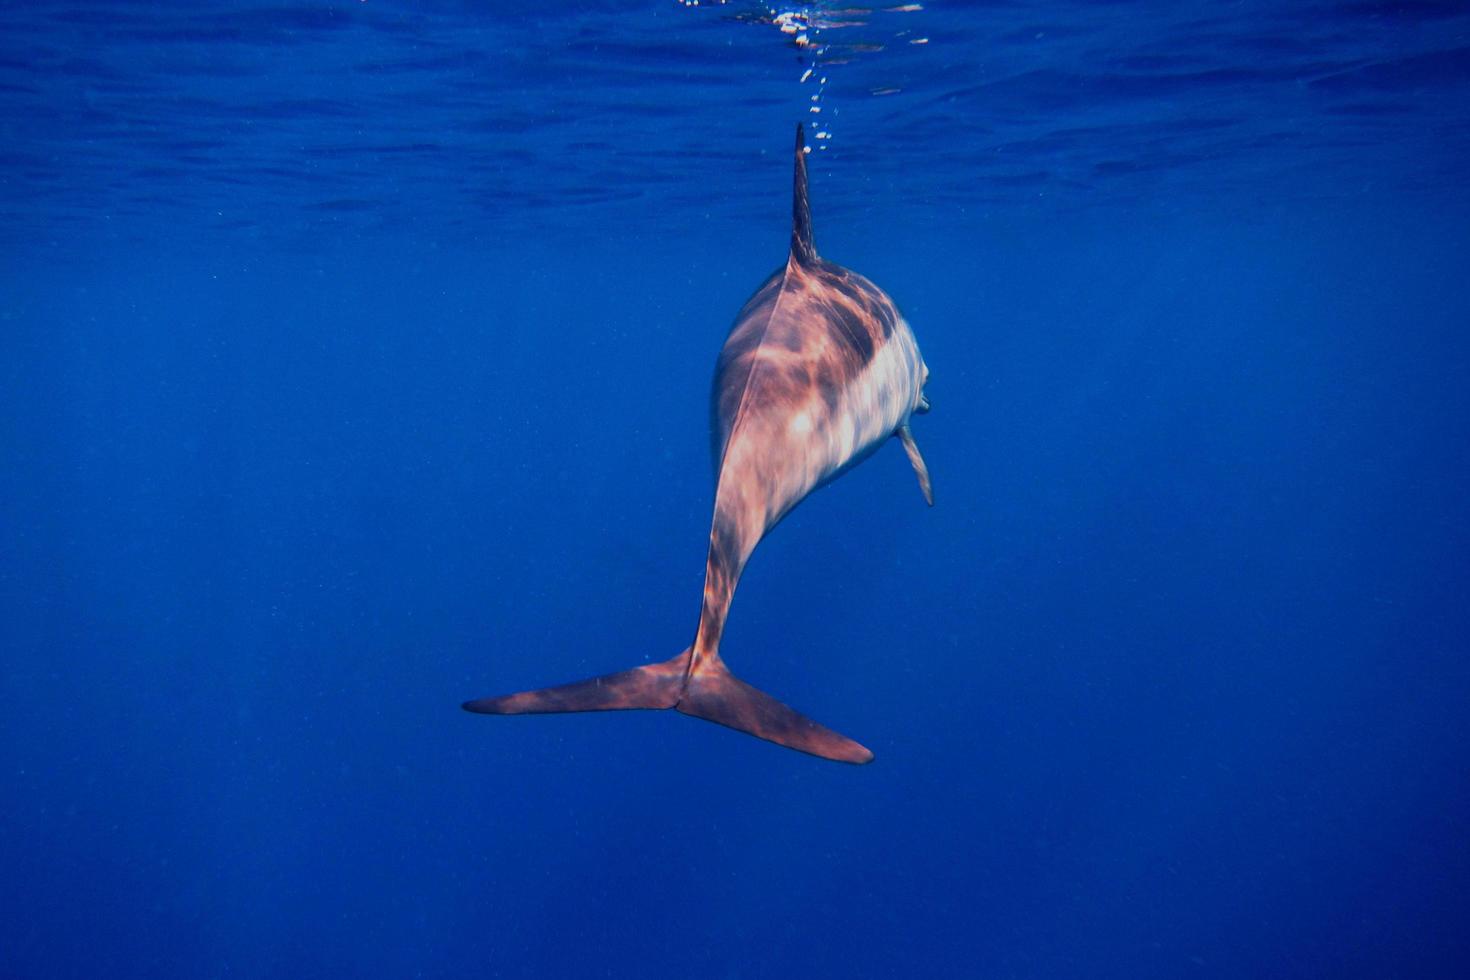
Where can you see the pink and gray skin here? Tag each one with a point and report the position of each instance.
(819, 370)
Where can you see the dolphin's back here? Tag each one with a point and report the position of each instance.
(818, 370)
(809, 330)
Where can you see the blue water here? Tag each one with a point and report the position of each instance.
(354, 361)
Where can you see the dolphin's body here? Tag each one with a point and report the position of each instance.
(819, 370)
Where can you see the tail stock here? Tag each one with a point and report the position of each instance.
(710, 692)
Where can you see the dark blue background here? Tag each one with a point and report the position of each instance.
(1171, 682)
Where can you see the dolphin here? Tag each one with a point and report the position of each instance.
(819, 370)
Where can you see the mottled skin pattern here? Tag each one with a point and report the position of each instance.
(819, 370)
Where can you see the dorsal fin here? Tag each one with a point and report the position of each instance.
(803, 251)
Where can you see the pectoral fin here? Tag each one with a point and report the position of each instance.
(922, 469)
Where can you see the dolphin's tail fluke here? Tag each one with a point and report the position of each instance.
(715, 694)
(710, 692)
(653, 686)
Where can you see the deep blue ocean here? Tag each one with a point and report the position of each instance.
(355, 361)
